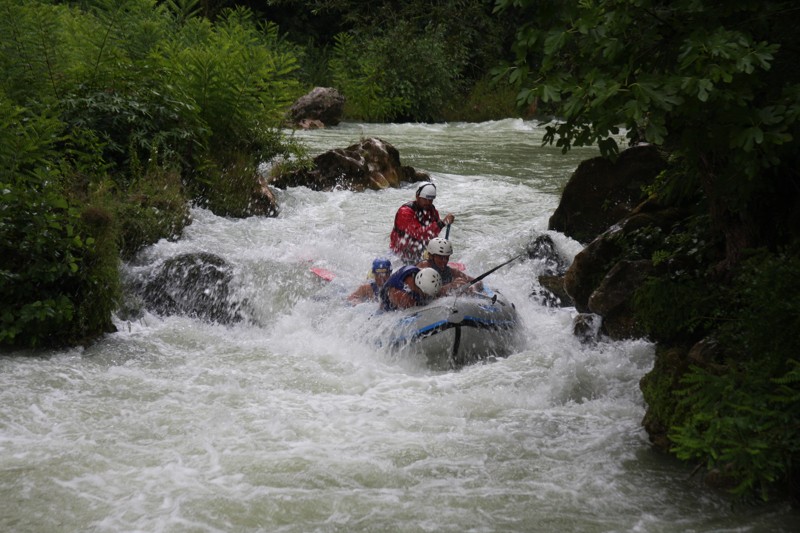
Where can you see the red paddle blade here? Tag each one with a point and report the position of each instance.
(323, 273)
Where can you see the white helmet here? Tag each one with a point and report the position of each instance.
(429, 281)
(439, 246)
(427, 190)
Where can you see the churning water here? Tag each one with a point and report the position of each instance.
(295, 421)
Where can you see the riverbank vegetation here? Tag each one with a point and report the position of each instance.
(116, 116)
(713, 85)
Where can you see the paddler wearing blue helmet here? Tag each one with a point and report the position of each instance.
(368, 292)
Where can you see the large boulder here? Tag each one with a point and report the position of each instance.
(323, 106)
(602, 280)
(612, 299)
(192, 284)
(369, 164)
(589, 268)
(601, 192)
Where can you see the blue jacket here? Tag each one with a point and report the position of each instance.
(396, 281)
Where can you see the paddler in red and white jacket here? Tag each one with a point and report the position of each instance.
(416, 223)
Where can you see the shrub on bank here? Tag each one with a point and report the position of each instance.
(58, 264)
(741, 407)
(116, 115)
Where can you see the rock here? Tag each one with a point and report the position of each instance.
(601, 192)
(551, 292)
(193, 284)
(543, 250)
(658, 387)
(321, 107)
(707, 353)
(369, 164)
(586, 327)
(588, 268)
(551, 267)
(601, 280)
(262, 200)
(612, 299)
(310, 124)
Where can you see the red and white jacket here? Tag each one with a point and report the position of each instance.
(414, 226)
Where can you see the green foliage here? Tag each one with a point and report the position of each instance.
(48, 259)
(741, 417)
(359, 75)
(743, 423)
(292, 156)
(136, 123)
(183, 10)
(236, 73)
(153, 207)
(486, 100)
(32, 50)
(766, 294)
(396, 74)
(680, 301)
(417, 65)
(659, 388)
(673, 309)
(314, 70)
(421, 68)
(651, 66)
(436, 50)
(713, 85)
(112, 111)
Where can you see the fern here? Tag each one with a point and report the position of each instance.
(31, 49)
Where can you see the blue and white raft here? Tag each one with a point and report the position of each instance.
(454, 331)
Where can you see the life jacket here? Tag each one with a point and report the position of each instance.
(395, 281)
(409, 247)
(446, 273)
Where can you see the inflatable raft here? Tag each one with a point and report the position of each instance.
(454, 331)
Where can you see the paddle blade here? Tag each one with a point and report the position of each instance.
(323, 273)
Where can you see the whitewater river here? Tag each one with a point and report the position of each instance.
(297, 421)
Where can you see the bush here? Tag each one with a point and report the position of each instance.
(486, 100)
(742, 417)
(399, 73)
(359, 75)
(55, 281)
(112, 116)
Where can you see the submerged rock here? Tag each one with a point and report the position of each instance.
(543, 250)
(193, 284)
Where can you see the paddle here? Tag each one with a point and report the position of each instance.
(458, 266)
(479, 278)
(323, 273)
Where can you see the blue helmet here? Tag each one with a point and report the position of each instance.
(381, 266)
